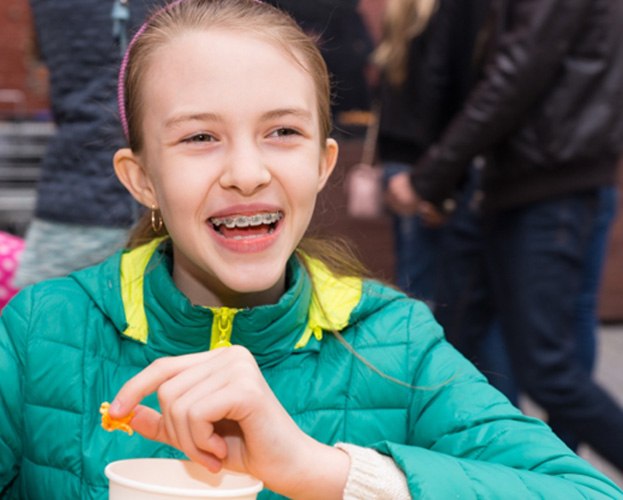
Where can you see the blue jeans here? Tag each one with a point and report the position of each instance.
(586, 312)
(416, 249)
(465, 305)
(586, 320)
(536, 262)
(467, 311)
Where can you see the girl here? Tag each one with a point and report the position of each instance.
(332, 386)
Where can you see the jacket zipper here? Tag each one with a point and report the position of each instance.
(222, 326)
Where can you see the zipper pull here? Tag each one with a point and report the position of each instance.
(222, 325)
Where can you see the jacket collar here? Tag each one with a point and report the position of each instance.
(158, 315)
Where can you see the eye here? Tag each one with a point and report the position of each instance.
(284, 132)
(201, 137)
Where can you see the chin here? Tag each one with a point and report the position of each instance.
(255, 274)
(257, 284)
(252, 286)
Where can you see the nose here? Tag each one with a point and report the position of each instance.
(245, 168)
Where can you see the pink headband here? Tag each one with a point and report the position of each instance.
(124, 66)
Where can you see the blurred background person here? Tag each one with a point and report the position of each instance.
(549, 112)
(430, 55)
(345, 43)
(82, 212)
(427, 62)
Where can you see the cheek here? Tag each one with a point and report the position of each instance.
(178, 200)
(304, 194)
(184, 184)
(303, 173)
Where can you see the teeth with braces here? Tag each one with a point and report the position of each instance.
(247, 220)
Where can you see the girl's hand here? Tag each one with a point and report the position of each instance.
(218, 409)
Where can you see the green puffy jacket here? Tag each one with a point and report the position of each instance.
(67, 345)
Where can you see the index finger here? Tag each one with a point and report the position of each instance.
(151, 378)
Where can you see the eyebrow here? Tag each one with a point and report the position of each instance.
(213, 117)
(279, 113)
(190, 117)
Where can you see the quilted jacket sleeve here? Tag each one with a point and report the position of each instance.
(13, 328)
(465, 440)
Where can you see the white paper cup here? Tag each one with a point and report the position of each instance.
(169, 479)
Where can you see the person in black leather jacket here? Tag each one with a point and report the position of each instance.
(548, 107)
(548, 113)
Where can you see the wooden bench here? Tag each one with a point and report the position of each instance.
(22, 145)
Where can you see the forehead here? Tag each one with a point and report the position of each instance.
(226, 61)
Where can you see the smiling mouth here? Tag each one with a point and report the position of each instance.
(246, 226)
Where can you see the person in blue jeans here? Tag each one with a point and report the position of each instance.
(467, 308)
(547, 114)
(427, 59)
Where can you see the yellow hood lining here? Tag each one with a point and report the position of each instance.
(333, 298)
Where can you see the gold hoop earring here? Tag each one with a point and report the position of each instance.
(156, 220)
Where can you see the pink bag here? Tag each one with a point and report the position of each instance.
(364, 190)
(10, 251)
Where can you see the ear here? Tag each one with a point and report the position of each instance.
(130, 171)
(328, 162)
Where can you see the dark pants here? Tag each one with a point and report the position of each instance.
(586, 322)
(417, 257)
(465, 305)
(466, 302)
(536, 258)
(586, 311)
(416, 249)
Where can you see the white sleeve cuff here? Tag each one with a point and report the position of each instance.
(373, 476)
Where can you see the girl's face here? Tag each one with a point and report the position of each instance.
(233, 159)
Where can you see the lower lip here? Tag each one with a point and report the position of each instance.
(254, 244)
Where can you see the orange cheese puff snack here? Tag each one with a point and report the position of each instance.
(112, 424)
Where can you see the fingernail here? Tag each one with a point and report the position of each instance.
(116, 406)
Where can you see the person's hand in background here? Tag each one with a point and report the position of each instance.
(404, 200)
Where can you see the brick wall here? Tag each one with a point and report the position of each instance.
(23, 80)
